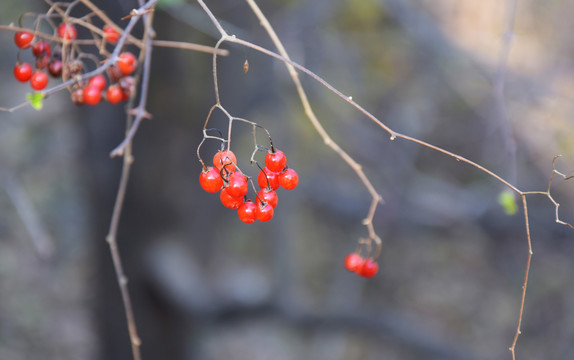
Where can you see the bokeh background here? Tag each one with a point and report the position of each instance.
(206, 286)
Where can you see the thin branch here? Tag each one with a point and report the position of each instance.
(350, 100)
(36, 34)
(140, 112)
(526, 274)
(131, 40)
(102, 15)
(190, 46)
(213, 18)
(126, 167)
(111, 238)
(215, 82)
(549, 195)
(14, 108)
(377, 198)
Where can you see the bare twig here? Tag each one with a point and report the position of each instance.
(126, 167)
(139, 113)
(526, 274)
(109, 22)
(131, 40)
(549, 196)
(189, 46)
(376, 197)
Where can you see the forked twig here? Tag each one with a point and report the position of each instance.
(549, 195)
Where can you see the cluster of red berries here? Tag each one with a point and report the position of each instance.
(122, 84)
(121, 87)
(45, 59)
(234, 185)
(363, 267)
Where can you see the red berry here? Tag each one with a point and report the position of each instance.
(128, 86)
(264, 212)
(114, 94)
(127, 63)
(55, 68)
(268, 179)
(98, 81)
(225, 158)
(42, 62)
(126, 94)
(276, 161)
(23, 39)
(368, 269)
(111, 35)
(229, 201)
(353, 262)
(77, 96)
(67, 31)
(114, 74)
(23, 72)
(39, 80)
(74, 67)
(92, 95)
(267, 196)
(237, 185)
(42, 48)
(289, 179)
(247, 212)
(210, 180)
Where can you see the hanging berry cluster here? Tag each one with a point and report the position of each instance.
(62, 58)
(224, 177)
(363, 267)
(42, 51)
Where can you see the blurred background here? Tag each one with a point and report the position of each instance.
(206, 286)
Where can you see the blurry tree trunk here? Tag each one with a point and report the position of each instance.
(148, 211)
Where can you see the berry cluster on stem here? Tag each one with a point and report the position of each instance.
(226, 178)
(365, 267)
(63, 59)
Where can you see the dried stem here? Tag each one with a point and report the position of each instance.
(111, 238)
(109, 22)
(526, 274)
(549, 195)
(189, 46)
(159, 43)
(140, 112)
(377, 198)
